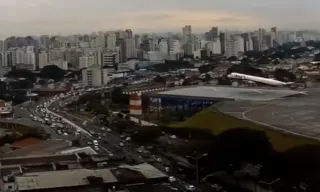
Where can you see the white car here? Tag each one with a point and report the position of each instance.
(190, 188)
(103, 129)
(96, 148)
(172, 179)
(95, 142)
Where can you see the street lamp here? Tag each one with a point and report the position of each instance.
(196, 158)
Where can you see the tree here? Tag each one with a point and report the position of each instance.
(300, 164)
(136, 67)
(284, 75)
(242, 145)
(22, 73)
(245, 69)
(52, 72)
(159, 79)
(118, 97)
(205, 68)
(232, 58)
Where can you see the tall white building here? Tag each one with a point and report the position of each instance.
(95, 77)
(214, 46)
(11, 58)
(26, 55)
(43, 59)
(111, 41)
(86, 61)
(156, 56)
(176, 47)
(3, 49)
(234, 46)
(163, 46)
(130, 48)
(176, 51)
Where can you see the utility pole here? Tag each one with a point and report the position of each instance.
(197, 158)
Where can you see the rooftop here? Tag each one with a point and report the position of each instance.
(26, 142)
(43, 148)
(37, 159)
(232, 93)
(65, 178)
(147, 170)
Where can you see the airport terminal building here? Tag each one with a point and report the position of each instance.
(187, 101)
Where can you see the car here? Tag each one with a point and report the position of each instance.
(96, 148)
(172, 179)
(121, 144)
(103, 129)
(108, 130)
(190, 188)
(95, 142)
(128, 139)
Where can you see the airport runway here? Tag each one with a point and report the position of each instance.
(296, 115)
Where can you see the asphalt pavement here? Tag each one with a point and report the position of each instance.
(22, 114)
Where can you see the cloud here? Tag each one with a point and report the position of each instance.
(34, 17)
(200, 20)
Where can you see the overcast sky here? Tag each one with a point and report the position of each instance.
(34, 17)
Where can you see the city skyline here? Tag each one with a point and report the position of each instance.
(36, 17)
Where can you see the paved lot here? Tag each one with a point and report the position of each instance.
(297, 115)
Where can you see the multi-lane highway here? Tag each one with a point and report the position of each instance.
(111, 142)
(24, 113)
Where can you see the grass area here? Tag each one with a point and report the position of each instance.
(217, 122)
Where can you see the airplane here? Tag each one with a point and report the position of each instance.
(271, 82)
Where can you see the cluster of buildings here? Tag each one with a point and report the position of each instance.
(236, 43)
(102, 53)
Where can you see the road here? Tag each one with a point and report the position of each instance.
(24, 110)
(110, 143)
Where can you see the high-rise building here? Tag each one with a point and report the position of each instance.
(130, 48)
(27, 56)
(44, 42)
(163, 46)
(86, 61)
(187, 30)
(129, 34)
(95, 77)
(121, 43)
(223, 38)
(111, 41)
(261, 34)
(234, 46)
(137, 41)
(212, 34)
(43, 59)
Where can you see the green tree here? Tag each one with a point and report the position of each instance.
(52, 72)
(242, 145)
